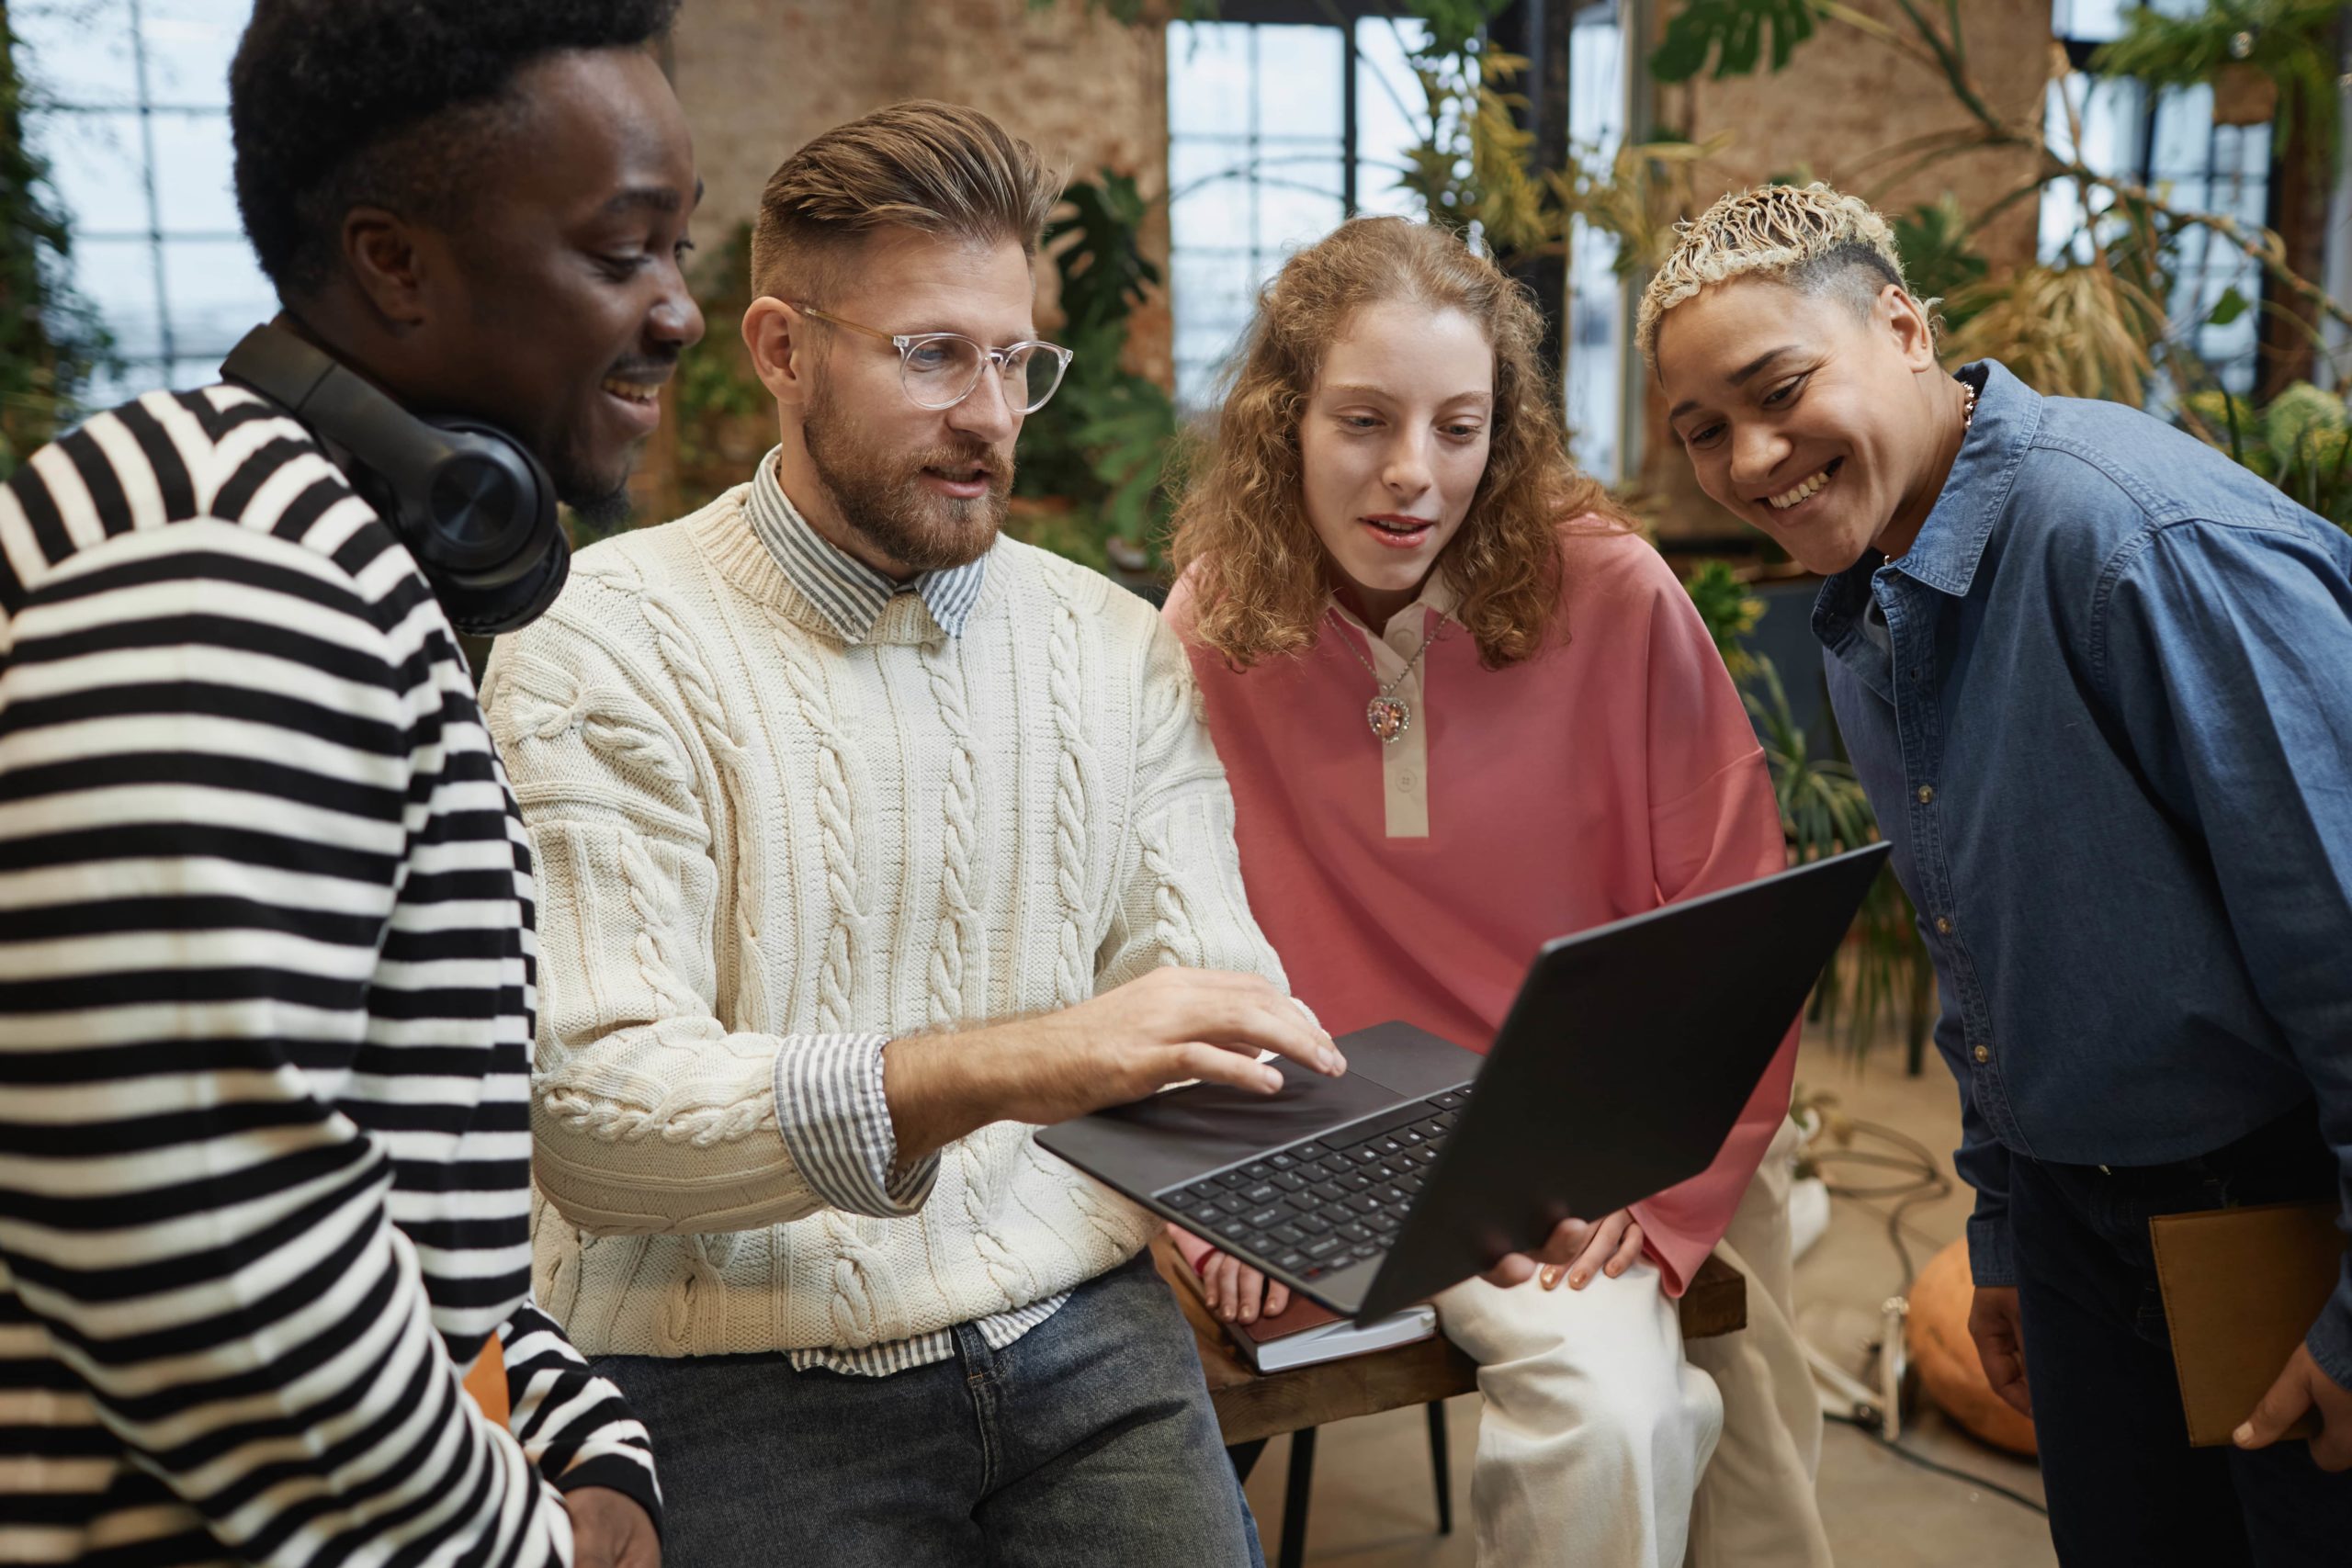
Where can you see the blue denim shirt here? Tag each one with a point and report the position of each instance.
(2106, 722)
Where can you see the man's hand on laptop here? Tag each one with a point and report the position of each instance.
(1576, 1251)
(1170, 1025)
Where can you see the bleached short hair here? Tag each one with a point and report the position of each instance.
(1813, 237)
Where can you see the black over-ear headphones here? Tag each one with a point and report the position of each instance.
(472, 503)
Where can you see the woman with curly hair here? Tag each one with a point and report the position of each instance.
(1466, 708)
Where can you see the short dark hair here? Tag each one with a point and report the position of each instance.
(398, 104)
(942, 169)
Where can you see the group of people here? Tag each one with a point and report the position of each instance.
(677, 1013)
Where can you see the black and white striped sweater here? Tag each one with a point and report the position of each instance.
(267, 987)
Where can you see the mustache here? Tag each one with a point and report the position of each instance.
(644, 368)
(988, 459)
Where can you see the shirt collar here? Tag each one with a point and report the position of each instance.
(849, 594)
(1950, 545)
(1438, 592)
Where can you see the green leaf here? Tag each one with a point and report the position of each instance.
(2228, 308)
(1734, 32)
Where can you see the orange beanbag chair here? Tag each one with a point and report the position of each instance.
(1945, 1355)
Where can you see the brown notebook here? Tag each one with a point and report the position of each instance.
(486, 1382)
(2241, 1288)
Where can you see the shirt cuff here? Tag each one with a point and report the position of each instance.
(628, 1476)
(836, 1124)
(1990, 1262)
(2330, 1340)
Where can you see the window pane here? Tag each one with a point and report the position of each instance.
(192, 174)
(1209, 182)
(217, 294)
(187, 373)
(1299, 89)
(105, 391)
(1208, 79)
(1390, 116)
(189, 45)
(97, 169)
(118, 277)
(1298, 198)
(75, 51)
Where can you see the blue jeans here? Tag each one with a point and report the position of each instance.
(2125, 1488)
(1087, 1441)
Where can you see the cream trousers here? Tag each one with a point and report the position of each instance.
(1596, 1433)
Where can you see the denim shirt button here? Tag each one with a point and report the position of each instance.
(1943, 925)
(1926, 793)
(1983, 1054)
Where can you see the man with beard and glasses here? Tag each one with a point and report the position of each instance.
(267, 966)
(872, 838)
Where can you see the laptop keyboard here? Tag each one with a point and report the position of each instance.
(1326, 1202)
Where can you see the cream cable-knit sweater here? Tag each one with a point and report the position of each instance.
(746, 830)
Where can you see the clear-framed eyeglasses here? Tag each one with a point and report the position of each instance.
(939, 370)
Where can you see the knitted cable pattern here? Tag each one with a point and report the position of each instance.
(700, 691)
(1074, 969)
(1172, 916)
(960, 926)
(980, 1160)
(836, 827)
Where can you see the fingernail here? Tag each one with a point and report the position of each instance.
(1551, 1276)
(1272, 1079)
(2243, 1435)
(1576, 1281)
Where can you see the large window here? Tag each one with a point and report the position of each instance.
(2166, 140)
(130, 105)
(1602, 394)
(1278, 128)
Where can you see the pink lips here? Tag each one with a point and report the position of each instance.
(1398, 532)
(962, 489)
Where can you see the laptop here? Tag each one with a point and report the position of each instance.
(1623, 1064)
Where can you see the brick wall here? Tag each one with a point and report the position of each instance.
(1843, 100)
(760, 77)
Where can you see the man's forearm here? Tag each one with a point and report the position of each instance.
(939, 1088)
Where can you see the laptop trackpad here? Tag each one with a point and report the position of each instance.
(1176, 1137)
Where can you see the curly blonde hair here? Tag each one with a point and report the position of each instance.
(1256, 569)
(1812, 237)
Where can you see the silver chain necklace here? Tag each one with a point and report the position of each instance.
(1388, 715)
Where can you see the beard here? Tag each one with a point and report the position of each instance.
(883, 496)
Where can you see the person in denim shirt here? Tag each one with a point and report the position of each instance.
(2097, 679)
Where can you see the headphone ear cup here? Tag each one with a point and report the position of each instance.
(510, 606)
(489, 515)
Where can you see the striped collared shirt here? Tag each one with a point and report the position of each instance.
(849, 593)
(828, 1094)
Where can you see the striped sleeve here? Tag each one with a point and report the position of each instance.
(831, 1107)
(574, 1425)
(206, 786)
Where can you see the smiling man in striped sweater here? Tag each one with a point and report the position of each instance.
(267, 961)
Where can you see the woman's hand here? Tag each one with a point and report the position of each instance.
(1238, 1294)
(1577, 1250)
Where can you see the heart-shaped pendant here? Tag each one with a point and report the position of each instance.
(1389, 718)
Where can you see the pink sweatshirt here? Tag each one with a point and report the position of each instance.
(1603, 778)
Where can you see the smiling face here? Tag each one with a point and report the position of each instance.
(1391, 446)
(904, 487)
(1821, 426)
(563, 308)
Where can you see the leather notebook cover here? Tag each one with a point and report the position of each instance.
(2241, 1288)
(486, 1382)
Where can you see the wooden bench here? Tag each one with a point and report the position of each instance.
(1252, 1407)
